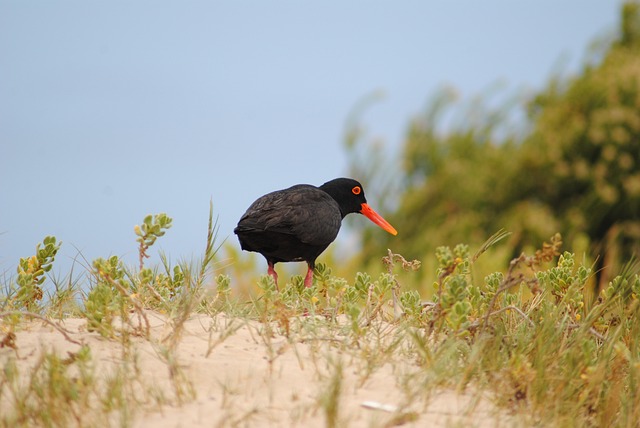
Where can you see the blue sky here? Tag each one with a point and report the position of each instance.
(111, 110)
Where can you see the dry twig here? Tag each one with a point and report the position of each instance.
(63, 331)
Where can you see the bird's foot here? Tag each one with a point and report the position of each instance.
(308, 280)
(271, 271)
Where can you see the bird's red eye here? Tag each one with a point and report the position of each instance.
(356, 190)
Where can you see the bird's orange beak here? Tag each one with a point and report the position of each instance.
(377, 219)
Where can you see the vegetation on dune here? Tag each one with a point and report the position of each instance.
(530, 335)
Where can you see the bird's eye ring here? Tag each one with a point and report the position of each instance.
(356, 190)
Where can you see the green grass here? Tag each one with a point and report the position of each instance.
(532, 338)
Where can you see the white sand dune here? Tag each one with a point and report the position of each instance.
(243, 375)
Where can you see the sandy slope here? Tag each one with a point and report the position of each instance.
(254, 379)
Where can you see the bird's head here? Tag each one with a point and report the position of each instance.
(349, 195)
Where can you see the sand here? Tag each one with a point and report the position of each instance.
(235, 372)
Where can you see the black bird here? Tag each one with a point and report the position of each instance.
(299, 223)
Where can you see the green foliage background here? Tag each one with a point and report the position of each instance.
(575, 170)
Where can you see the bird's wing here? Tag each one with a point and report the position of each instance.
(304, 211)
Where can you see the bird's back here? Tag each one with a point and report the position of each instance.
(297, 223)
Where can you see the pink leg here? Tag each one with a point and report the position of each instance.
(308, 280)
(273, 273)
